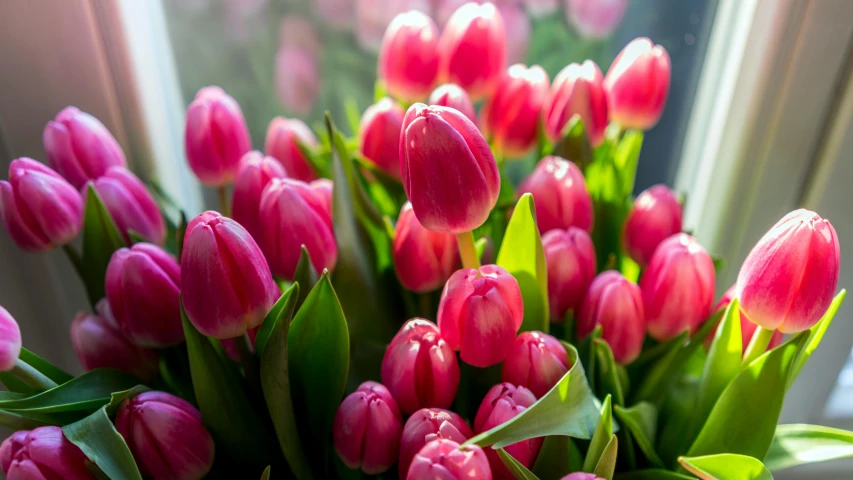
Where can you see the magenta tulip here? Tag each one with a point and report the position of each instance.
(444, 459)
(226, 285)
(367, 428)
(255, 173)
(423, 259)
(39, 209)
(503, 402)
(678, 287)
(43, 453)
(452, 95)
(449, 172)
(166, 436)
(80, 147)
(408, 58)
(656, 216)
(131, 205)
(747, 328)
(637, 84)
(570, 257)
(323, 187)
(511, 117)
(560, 195)
(582, 476)
(617, 305)
(789, 278)
(10, 341)
(282, 143)
(379, 135)
(595, 18)
(297, 79)
(426, 425)
(537, 362)
(577, 90)
(517, 28)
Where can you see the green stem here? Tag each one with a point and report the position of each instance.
(758, 345)
(467, 251)
(250, 364)
(224, 204)
(32, 377)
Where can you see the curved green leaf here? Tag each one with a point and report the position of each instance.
(304, 275)
(726, 466)
(652, 474)
(641, 420)
(519, 471)
(101, 238)
(816, 334)
(283, 309)
(86, 392)
(46, 368)
(266, 474)
(601, 437)
(626, 157)
(800, 444)
(606, 372)
(724, 360)
(574, 143)
(607, 463)
(557, 457)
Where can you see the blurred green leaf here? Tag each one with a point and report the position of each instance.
(724, 360)
(625, 158)
(601, 437)
(519, 471)
(557, 457)
(353, 115)
(816, 334)
(86, 392)
(800, 444)
(266, 474)
(14, 384)
(574, 144)
(726, 466)
(607, 372)
(607, 463)
(101, 238)
(304, 275)
(641, 421)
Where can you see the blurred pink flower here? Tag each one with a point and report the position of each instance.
(540, 8)
(337, 13)
(517, 27)
(595, 18)
(296, 31)
(372, 17)
(244, 18)
(296, 79)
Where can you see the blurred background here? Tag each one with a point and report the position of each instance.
(758, 121)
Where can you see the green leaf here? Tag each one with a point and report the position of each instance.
(519, 471)
(724, 360)
(641, 420)
(283, 309)
(14, 384)
(574, 143)
(522, 255)
(86, 392)
(304, 275)
(816, 334)
(726, 466)
(607, 372)
(27, 421)
(46, 368)
(626, 157)
(799, 444)
(557, 457)
(101, 238)
(675, 420)
(607, 463)
(601, 437)
(652, 474)
(266, 474)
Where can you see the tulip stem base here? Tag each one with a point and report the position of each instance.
(467, 251)
(224, 205)
(31, 377)
(757, 345)
(250, 364)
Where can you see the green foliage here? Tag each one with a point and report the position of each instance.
(726, 466)
(101, 238)
(641, 421)
(601, 437)
(282, 310)
(519, 471)
(801, 444)
(557, 457)
(724, 360)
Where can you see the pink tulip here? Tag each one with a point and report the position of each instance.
(43, 453)
(282, 143)
(131, 205)
(226, 285)
(426, 425)
(788, 279)
(581, 476)
(367, 428)
(747, 328)
(480, 313)
(503, 402)
(408, 61)
(423, 259)
(570, 257)
(39, 209)
(451, 95)
(100, 343)
(617, 305)
(323, 188)
(379, 135)
(511, 117)
(678, 287)
(373, 18)
(255, 173)
(655, 217)
(10, 341)
(517, 27)
(537, 362)
(560, 195)
(637, 84)
(297, 81)
(472, 49)
(80, 147)
(577, 90)
(166, 436)
(298, 32)
(216, 136)
(444, 459)
(449, 172)
(337, 13)
(541, 8)
(595, 18)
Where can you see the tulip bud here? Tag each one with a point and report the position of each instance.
(423, 259)
(408, 58)
(99, 343)
(480, 313)
(323, 187)
(426, 425)
(43, 453)
(80, 147)
(560, 195)
(637, 84)
(39, 209)
(449, 172)
(451, 95)
(472, 49)
(517, 28)
(511, 117)
(282, 143)
(216, 136)
(678, 287)
(582, 476)
(255, 172)
(595, 18)
(298, 31)
(537, 362)
(367, 427)
(166, 436)
(297, 80)
(747, 328)
(617, 305)
(226, 285)
(788, 279)
(655, 217)
(447, 460)
(577, 90)
(380, 135)
(503, 402)
(570, 257)
(10, 341)
(131, 205)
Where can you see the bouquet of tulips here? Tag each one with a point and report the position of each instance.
(310, 328)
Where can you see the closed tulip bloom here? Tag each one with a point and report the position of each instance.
(637, 84)
(367, 427)
(511, 117)
(678, 287)
(446, 460)
(537, 362)
(420, 368)
(617, 305)
(39, 209)
(43, 453)
(449, 172)
(80, 147)
(423, 259)
(426, 425)
(582, 476)
(216, 136)
(379, 135)
(131, 205)
(408, 58)
(595, 18)
(453, 96)
(570, 257)
(472, 49)
(560, 195)
(789, 278)
(503, 402)
(227, 287)
(297, 79)
(480, 313)
(100, 343)
(577, 90)
(166, 436)
(747, 328)
(255, 173)
(656, 216)
(10, 341)
(282, 143)
(324, 188)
